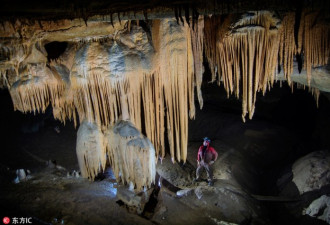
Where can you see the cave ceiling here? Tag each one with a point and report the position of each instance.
(143, 61)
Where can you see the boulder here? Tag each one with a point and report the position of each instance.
(134, 201)
(312, 172)
(320, 208)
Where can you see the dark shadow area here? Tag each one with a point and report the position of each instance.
(55, 49)
(30, 140)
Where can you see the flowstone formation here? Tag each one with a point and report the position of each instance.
(131, 154)
(146, 71)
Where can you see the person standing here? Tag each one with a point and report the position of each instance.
(206, 156)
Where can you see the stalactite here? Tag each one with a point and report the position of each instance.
(300, 33)
(33, 94)
(287, 45)
(197, 41)
(176, 68)
(316, 94)
(247, 52)
(152, 94)
(314, 41)
(210, 39)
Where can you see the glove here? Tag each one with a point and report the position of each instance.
(198, 162)
(211, 162)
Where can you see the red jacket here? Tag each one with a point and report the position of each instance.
(210, 154)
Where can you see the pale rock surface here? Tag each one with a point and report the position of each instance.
(90, 149)
(134, 200)
(320, 208)
(131, 155)
(312, 172)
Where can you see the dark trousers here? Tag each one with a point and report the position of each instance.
(208, 169)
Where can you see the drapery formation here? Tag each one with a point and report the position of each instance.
(245, 54)
(313, 40)
(176, 69)
(197, 41)
(131, 155)
(287, 45)
(90, 149)
(34, 92)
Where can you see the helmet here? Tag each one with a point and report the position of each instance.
(207, 139)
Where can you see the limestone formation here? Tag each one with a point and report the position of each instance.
(90, 150)
(130, 154)
(147, 70)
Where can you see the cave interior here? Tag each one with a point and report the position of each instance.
(105, 104)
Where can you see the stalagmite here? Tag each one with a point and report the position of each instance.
(90, 149)
(131, 155)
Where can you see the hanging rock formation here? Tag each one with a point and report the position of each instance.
(245, 52)
(147, 71)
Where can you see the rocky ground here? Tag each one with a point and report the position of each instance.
(257, 179)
